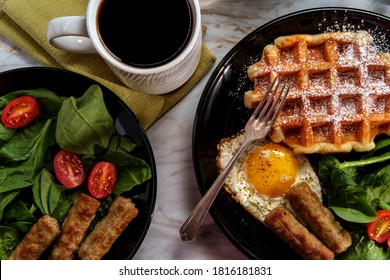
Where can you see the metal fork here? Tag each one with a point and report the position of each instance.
(257, 127)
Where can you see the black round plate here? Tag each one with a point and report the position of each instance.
(66, 83)
(221, 113)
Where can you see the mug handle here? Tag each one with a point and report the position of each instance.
(70, 34)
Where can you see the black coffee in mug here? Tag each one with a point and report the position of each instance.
(145, 33)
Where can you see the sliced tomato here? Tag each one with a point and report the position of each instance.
(101, 180)
(19, 112)
(379, 229)
(69, 169)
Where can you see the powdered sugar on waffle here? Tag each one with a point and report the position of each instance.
(340, 90)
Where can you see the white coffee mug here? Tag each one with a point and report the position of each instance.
(81, 34)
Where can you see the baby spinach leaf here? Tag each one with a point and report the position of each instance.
(36, 191)
(20, 215)
(9, 238)
(84, 125)
(22, 227)
(46, 192)
(23, 143)
(6, 133)
(21, 175)
(325, 168)
(341, 178)
(119, 151)
(351, 204)
(19, 210)
(382, 176)
(131, 175)
(55, 196)
(5, 199)
(62, 207)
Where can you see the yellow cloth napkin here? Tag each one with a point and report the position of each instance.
(24, 23)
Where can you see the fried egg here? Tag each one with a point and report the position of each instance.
(263, 174)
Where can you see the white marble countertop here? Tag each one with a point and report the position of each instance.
(228, 21)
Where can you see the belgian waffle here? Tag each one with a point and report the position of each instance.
(340, 91)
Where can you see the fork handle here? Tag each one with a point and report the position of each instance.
(198, 214)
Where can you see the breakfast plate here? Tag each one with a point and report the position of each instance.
(66, 83)
(221, 113)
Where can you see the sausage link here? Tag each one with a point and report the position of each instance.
(103, 236)
(319, 218)
(296, 235)
(75, 227)
(41, 235)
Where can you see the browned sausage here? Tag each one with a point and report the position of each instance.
(296, 235)
(100, 240)
(75, 227)
(319, 218)
(41, 235)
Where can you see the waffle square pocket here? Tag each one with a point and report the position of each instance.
(340, 90)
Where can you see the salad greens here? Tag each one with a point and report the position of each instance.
(9, 238)
(28, 187)
(363, 248)
(84, 125)
(20, 173)
(355, 186)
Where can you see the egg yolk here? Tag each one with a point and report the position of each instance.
(271, 169)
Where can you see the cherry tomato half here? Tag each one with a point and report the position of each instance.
(101, 180)
(69, 169)
(19, 112)
(379, 230)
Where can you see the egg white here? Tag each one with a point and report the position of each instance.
(259, 205)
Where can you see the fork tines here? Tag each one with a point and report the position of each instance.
(275, 95)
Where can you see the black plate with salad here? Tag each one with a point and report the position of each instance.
(26, 154)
